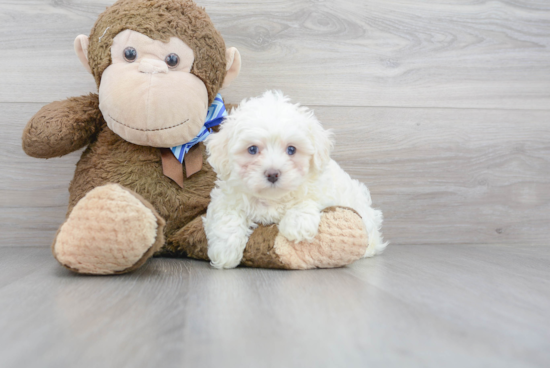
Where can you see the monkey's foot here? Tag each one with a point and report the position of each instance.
(111, 230)
(342, 239)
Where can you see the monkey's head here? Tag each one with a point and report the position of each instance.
(158, 65)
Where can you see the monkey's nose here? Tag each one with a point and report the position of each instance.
(272, 176)
(152, 66)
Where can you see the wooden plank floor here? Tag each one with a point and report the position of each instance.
(416, 306)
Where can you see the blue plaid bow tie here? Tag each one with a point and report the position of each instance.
(216, 114)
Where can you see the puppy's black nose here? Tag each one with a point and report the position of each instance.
(272, 176)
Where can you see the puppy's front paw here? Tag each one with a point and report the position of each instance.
(226, 254)
(298, 226)
(221, 263)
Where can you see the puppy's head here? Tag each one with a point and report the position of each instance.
(269, 146)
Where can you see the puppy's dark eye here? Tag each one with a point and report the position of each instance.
(172, 60)
(253, 150)
(130, 54)
(291, 150)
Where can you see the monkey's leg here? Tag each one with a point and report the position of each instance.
(342, 239)
(111, 230)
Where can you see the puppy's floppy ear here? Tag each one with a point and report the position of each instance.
(322, 143)
(217, 147)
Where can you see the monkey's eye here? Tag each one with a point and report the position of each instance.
(291, 150)
(172, 60)
(130, 54)
(253, 150)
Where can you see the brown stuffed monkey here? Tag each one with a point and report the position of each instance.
(158, 65)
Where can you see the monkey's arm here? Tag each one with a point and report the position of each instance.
(62, 127)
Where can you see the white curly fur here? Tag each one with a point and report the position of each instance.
(309, 180)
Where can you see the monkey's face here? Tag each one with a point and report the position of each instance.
(148, 95)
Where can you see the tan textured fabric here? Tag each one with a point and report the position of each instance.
(342, 240)
(111, 230)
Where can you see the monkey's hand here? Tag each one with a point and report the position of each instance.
(63, 127)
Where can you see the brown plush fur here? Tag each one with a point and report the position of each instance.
(160, 20)
(63, 127)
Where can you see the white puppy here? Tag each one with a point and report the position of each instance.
(273, 164)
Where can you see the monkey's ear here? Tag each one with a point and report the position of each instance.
(233, 59)
(81, 43)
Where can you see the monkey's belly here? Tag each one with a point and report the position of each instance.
(110, 159)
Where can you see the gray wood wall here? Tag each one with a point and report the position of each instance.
(442, 107)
